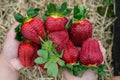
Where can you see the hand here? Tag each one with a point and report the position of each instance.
(9, 63)
(89, 74)
(116, 78)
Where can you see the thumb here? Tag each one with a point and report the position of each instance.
(16, 63)
(102, 50)
(10, 46)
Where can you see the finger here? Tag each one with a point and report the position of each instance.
(16, 63)
(10, 48)
(68, 76)
(102, 50)
(89, 74)
(116, 78)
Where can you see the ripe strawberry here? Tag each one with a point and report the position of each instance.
(60, 38)
(81, 28)
(71, 53)
(90, 53)
(30, 27)
(33, 29)
(26, 51)
(56, 19)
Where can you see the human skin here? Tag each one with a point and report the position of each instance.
(10, 64)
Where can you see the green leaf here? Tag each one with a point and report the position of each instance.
(58, 11)
(40, 60)
(78, 71)
(62, 7)
(76, 10)
(79, 13)
(51, 7)
(42, 53)
(19, 36)
(52, 69)
(70, 71)
(83, 11)
(47, 64)
(102, 66)
(101, 70)
(69, 68)
(68, 25)
(67, 11)
(51, 54)
(61, 62)
(47, 45)
(19, 18)
(18, 28)
(32, 12)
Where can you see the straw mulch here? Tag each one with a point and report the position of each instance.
(101, 30)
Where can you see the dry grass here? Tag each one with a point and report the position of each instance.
(101, 31)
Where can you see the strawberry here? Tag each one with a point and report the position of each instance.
(30, 27)
(33, 29)
(71, 53)
(60, 38)
(55, 17)
(81, 28)
(26, 51)
(90, 53)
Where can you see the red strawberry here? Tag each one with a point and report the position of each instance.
(56, 19)
(30, 27)
(81, 28)
(60, 38)
(90, 53)
(71, 53)
(33, 29)
(26, 51)
(56, 23)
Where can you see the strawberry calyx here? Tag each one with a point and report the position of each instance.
(31, 13)
(78, 69)
(78, 16)
(79, 13)
(50, 57)
(57, 11)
